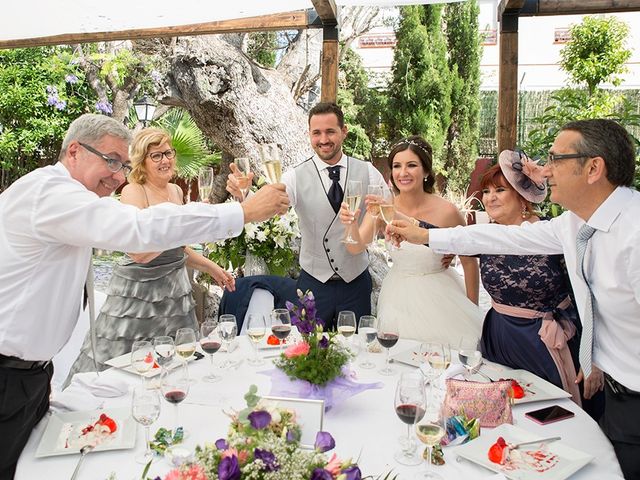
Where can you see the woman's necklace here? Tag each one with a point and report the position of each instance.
(163, 194)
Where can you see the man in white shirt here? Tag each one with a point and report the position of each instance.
(590, 169)
(49, 221)
(316, 187)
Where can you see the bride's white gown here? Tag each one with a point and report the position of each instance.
(428, 301)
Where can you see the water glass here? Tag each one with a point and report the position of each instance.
(367, 330)
(142, 357)
(227, 329)
(145, 409)
(164, 350)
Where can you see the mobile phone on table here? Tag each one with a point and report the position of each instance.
(551, 414)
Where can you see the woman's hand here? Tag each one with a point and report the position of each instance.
(346, 217)
(222, 278)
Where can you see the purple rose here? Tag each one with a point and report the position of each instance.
(221, 444)
(229, 469)
(268, 458)
(260, 419)
(324, 342)
(324, 442)
(352, 473)
(320, 474)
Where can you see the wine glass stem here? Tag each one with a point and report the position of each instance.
(147, 449)
(211, 365)
(429, 450)
(177, 417)
(387, 367)
(409, 445)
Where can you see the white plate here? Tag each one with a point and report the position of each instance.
(409, 357)
(293, 337)
(560, 462)
(55, 435)
(535, 388)
(123, 362)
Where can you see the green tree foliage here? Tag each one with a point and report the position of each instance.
(262, 48)
(596, 52)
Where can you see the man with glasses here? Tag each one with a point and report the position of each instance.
(49, 221)
(589, 171)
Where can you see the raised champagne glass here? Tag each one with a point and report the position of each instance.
(375, 194)
(270, 157)
(352, 197)
(205, 182)
(244, 167)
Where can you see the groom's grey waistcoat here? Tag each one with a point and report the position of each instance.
(322, 253)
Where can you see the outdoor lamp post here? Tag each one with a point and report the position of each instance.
(145, 108)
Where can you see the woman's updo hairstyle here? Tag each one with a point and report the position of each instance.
(424, 152)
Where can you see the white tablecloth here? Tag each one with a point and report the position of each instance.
(364, 427)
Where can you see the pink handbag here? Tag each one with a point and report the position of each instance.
(489, 402)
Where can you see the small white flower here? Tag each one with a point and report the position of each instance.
(261, 236)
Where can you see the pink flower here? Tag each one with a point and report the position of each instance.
(296, 350)
(191, 472)
(230, 452)
(334, 466)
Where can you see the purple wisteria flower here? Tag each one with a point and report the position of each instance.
(156, 76)
(229, 468)
(268, 458)
(260, 419)
(53, 100)
(324, 442)
(324, 342)
(221, 444)
(352, 473)
(71, 78)
(320, 474)
(104, 107)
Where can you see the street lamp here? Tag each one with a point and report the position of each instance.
(145, 108)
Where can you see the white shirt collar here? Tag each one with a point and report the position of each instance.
(322, 165)
(610, 209)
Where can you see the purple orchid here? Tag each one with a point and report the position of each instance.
(229, 468)
(352, 473)
(221, 444)
(260, 419)
(320, 474)
(267, 458)
(324, 442)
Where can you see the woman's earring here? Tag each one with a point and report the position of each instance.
(525, 212)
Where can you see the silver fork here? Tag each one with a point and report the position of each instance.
(83, 452)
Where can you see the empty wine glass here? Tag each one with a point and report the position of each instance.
(142, 357)
(387, 334)
(145, 409)
(410, 406)
(210, 343)
(270, 157)
(281, 325)
(430, 431)
(346, 323)
(352, 197)
(256, 330)
(174, 386)
(205, 182)
(164, 350)
(228, 329)
(244, 167)
(469, 355)
(367, 330)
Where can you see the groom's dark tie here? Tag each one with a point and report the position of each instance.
(335, 191)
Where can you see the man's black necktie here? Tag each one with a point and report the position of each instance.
(335, 191)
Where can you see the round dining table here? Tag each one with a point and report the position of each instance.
(365, 426)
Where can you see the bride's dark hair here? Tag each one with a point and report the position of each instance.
(423, 151)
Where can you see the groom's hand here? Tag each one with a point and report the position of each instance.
(401, 230)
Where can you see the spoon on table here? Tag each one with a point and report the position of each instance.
(83, 452)
(532, 442)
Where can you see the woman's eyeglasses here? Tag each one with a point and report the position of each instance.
(157, 156)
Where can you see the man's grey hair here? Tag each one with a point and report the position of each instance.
(90, 128)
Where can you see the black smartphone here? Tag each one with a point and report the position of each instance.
(549, 414)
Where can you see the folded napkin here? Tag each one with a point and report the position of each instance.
(74, 398)
(100, 386)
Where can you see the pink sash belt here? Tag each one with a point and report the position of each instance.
(554, 333)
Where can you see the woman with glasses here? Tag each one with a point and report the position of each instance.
(149, 294)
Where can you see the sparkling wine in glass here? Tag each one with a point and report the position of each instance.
(387, 334)
(410, 406)
(210, 343)
(469, 355)
(256, 330)
(244, 167)
(367, 329)
(352, 197)
(164, 349)
(205, 182)
(346, 323)
(227, 329)
(145, 409)
(142, 357)
(430, 431)
(375, 194)
(281, 325)
(174, 386)
(271, 162)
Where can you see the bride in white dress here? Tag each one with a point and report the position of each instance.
(431, 302)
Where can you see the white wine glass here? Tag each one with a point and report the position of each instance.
(164, 350)
(367, 330)
(430, 431)
(352, 197)
(281, 325)
(174, 386)
(185, 343)
(205, 182)
(210, 343)
(469, 355)
(142, 357)
(244, 168)
(256, 330)
(346, 323)
(433, 362)
(410, 406)
(228, 330)
(387, 334)
(145, 409)
(270, 157)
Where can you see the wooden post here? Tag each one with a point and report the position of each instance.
(508, 81)
(329, 89)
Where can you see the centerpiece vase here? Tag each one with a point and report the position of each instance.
(254, 265)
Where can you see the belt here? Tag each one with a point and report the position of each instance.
(618, 388)
(18, 363)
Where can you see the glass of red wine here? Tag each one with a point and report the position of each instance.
(174, 386)
(210, 343)
(281, 325)
(410, 406)
(387, 332)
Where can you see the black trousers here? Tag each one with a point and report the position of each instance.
(337, 295)
(621, 423)
(24, 400)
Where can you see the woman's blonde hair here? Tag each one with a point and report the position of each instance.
(142, 141)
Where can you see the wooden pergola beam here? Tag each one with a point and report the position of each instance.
(582, 7)
(278, 21)
(328, 13)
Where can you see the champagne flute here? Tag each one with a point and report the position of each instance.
(164, 350)
(210, 343)
(387, 334)
(346, 323)
(174, 386)
(256, 330)
(271, 162)
(227, 329)
(244, 167)
(387, 207)
(373, 207)
(367, 329)
(205, 182)
(469, 355)
(410, 406)
(352, 197)
(145, 409)
(430, 431)
(142, 357)
(281, 325)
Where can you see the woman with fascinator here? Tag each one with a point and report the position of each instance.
(533, 323)
(429, 300)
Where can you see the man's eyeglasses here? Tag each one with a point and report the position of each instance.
(113, 164)
(157, 156)
(553, 158)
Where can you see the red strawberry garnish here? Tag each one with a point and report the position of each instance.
(148, 358)
(496, 451)
(516, 390)
(273, 340)
(107, 422)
